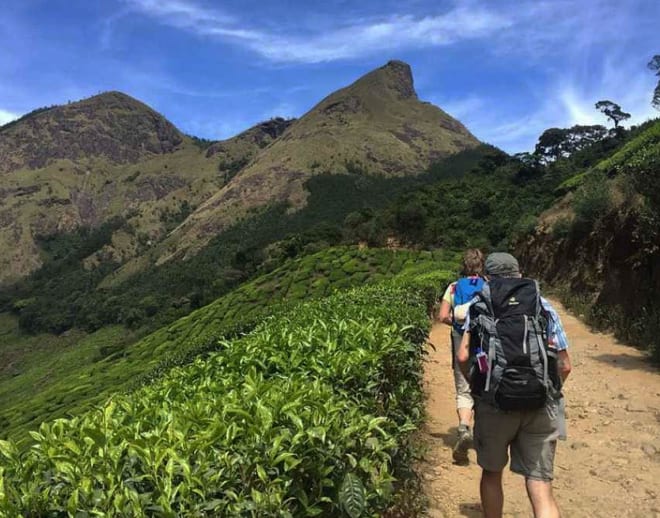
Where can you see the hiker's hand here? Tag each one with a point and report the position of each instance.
(563, 364)
(444, 315)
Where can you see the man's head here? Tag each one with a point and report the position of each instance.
(501, 264)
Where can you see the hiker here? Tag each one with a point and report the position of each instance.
(514, 352)
(456, 295)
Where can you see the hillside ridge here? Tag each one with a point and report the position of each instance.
(112, 125)
(374, 126)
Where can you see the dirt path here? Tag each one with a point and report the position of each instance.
(608, 467)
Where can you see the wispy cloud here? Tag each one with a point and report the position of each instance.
(352, 40)
(595, 63)
(7, 116)
(562, 103)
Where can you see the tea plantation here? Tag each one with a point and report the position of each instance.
(110, 362)
(309, 413)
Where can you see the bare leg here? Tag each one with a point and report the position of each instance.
(492, 495)
(464, 416)
(542, 499)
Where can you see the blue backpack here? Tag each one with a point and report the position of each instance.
(466, 289)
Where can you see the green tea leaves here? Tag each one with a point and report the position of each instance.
(352, 496)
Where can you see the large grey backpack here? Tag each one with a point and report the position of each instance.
(509, 325)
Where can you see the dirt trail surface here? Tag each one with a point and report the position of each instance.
(608, 467)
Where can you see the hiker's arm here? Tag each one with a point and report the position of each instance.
(463, 355)
(444, 315)
(563, 364)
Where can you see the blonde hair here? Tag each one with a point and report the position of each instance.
(473, 262)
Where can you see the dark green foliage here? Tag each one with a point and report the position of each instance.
(172, 219)
(562, 228)
(608, 255)
(556, 143)
(656, 97)
(201, 143)
(70, 248)
(310, 414)
(479, 209)
(592, 200)
(525, 226)
(229, 168)
(135, 361)
(549, 146)
(64, 294)
(60, 287)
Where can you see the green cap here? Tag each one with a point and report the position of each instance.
(501, 263)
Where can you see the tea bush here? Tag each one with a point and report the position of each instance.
(309, 414)
(131, 362)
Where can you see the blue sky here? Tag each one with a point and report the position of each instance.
(507, 69)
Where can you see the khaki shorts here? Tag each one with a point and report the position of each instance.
(531, 436)
(463, 395)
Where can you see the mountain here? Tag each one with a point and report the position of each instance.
(84, 163)
(109, 157)
(111, 125)
(236, 152)
(375, 126)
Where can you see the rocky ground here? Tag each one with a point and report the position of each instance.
(608, 467)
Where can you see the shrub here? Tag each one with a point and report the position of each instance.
(306, 415)
(593, 200)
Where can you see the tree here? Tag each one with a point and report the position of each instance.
(612, 111)
(527, 159)
(580, 136)
(549, 146)
(654, 65)
(556, 143)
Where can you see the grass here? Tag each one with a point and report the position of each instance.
(44, 375)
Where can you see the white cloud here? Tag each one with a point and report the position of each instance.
(627, 84)
(7, 116)
(359, 38)
(562, 104)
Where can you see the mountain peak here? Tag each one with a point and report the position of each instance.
(395, 77)
(375, 125)
(111, 124)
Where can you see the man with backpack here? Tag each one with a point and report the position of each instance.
(452, 312)
(514, 354)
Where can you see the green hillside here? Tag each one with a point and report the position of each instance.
(80, 165)
(64, 293)
(600, 244)
(80, 370)
(309, 413)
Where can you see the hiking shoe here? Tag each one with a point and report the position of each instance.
(464, 442)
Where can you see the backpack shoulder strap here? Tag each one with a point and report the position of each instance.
(539, 305)
(485, 295)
